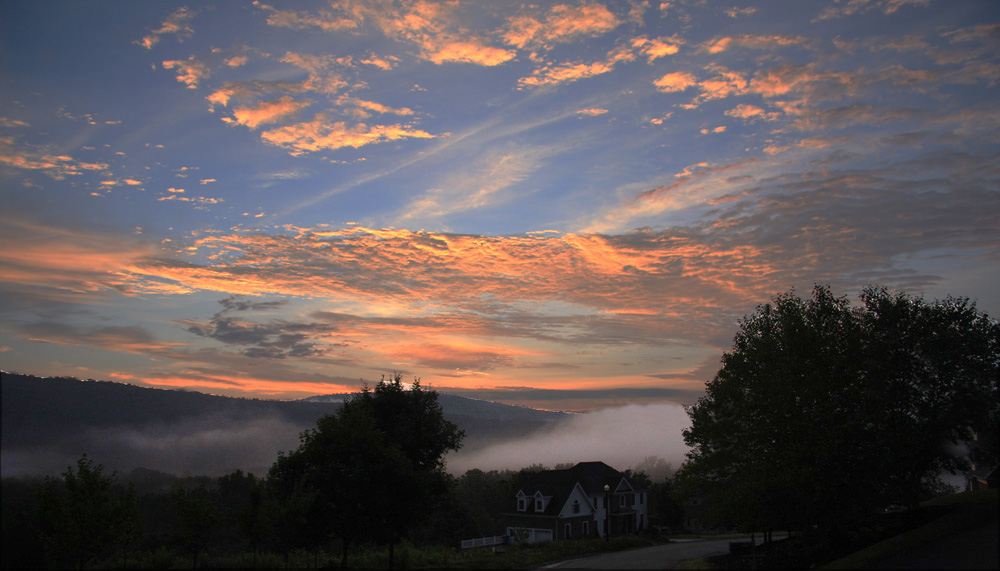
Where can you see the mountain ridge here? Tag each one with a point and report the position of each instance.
(48, 422)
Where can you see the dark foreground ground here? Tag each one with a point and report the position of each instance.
(974, 548)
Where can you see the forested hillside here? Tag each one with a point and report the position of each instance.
(48, 422)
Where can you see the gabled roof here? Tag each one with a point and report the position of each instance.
(559, 484)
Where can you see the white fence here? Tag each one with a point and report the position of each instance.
(529, 535)
(484, 541)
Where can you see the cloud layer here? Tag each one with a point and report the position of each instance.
(274, 200)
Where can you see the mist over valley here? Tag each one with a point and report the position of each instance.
(48, 423)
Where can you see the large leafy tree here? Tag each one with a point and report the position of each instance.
(823, 411)
(410, 420)
(373, 469)
(84, 516)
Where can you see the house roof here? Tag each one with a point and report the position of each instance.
(558, 484)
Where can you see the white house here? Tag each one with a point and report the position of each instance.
(571, 503)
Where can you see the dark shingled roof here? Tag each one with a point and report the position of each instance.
(558, 484)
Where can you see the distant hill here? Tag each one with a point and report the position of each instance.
(49, 422)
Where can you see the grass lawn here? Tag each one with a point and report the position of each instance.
(513, 556)
(887, 536)
(958, 513)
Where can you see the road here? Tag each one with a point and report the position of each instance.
(666, 556)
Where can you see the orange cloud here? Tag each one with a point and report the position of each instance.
(176, 23)
(887, 7)
(221, 96)
(656, 48)
(479, 305)
(377, 107)
(738, 12)
(805, 81)
(385, 63)
(56, 166)
(465, 51)
(63, 264)
(322, 77)
(695, 185)
(267, 112)
(565, 73)
(322, 134)
(189, 71)
(593, 112)
(433, 27)
(676, 81)
(458, 271)
(719, 45)
(748, 112)
(724, 84)
(802, 144)
(234, 384)
(757, 42)
(111, 338)
(325, 20)
(562, 23)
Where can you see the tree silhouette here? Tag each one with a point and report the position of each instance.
(823, 412)
(197, 515)
(374, 468)
(83, 517)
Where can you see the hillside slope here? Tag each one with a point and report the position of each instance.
(49, 422)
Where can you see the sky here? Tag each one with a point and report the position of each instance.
(562, 205)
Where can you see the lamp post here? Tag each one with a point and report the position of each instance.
(607, 512)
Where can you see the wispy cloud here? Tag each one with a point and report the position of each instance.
(687, 160)
(479, 185)
(846, 8)
(178, 23)
(325, 20)
(326, 133)
(267, 112)
(189, 71)
(675, 81)
(540, 29)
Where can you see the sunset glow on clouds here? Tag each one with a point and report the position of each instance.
(259, 200)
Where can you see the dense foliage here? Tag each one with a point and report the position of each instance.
(823, 412)
(84, 516)
(373, 469)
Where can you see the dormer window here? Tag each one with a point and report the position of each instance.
(522, 501)
(621, 499)
(541, 501)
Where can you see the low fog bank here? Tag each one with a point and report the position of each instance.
(211, 446)
(49, 423)
(620, 437)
